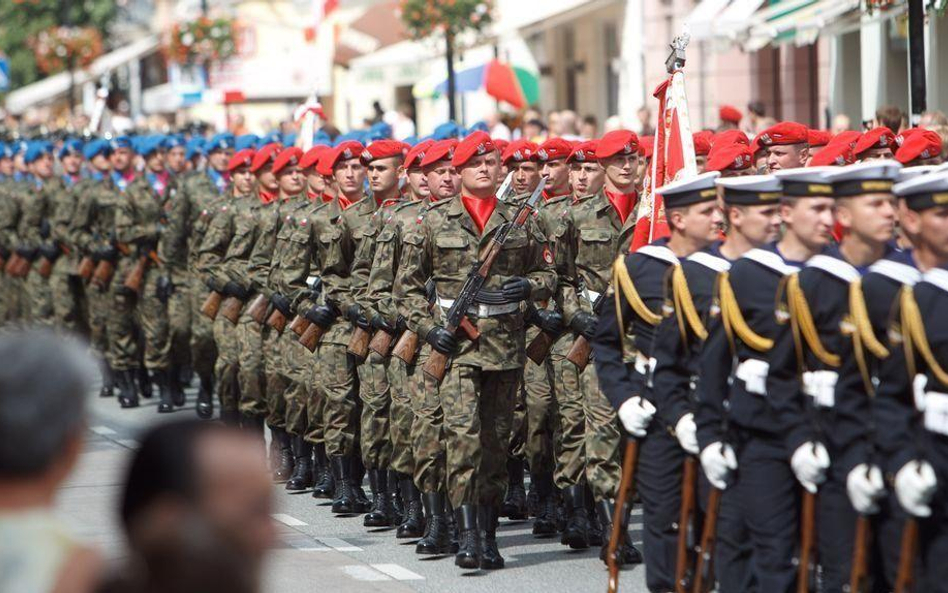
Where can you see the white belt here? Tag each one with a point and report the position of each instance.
(821, 386)
(311, 280)
(933, 405)
(644, 364)
(482, 310)
(753, 372)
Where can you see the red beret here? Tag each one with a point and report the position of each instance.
(520, 151)
(350, 149)
(786, 132)
(702, 141)
(646, 146)
(905, 135)
(734, 157)
(616, 142)
(554, 148)
(924, 144)
(848, 137)
(475, 144)
(730, 114)
(881, 137)
(833, 154)
(384, 149)
(241, 158)
(416, 153)
(289, 156)
(312, 156)
(730, 137)
(266, 154)
(501, 144)
(439, 151)
(583, 152)
(818, 138)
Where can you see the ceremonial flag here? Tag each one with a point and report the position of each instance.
(673, 155)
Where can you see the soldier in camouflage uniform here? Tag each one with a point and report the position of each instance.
(9, 217)
(63, 281)
(35, 229)
(478, 392)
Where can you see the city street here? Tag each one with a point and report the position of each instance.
(318, 551)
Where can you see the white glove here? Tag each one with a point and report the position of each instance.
(810, 462)
(915, 485)
(687, 433)
(718, 460)
(865, 487)
(636, 414)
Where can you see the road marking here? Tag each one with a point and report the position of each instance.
(102, 431)
(399, 573)
(288, 520)
(130, 443)
(338, 544)
(364, 573)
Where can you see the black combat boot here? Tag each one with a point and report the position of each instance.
(576, 533)
(302, 477)
(626, 553)
(357, 476)
(108, 380)
(128, 394)
(545, 523)
(595, 525)
(469, 552)
(452, 525)
(205, 399)
(487, 522)
(437, 537)
(380, 515)
(325, 484)
(284, 468)
(515, 502)
(165, 404)
(344, 502)
(413, 521)
(176, 388)
(395, 495)
(144, 383)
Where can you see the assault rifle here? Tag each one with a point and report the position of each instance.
(684, 563)
(581, 349)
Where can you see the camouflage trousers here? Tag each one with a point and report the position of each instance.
(227, 365)
(277, 377)
(337, 384)
(539, 413)
(427, 427)
(39, 298)
(202, 346)
(376, 396)
(568, 393)
(299, 364)
(478, 410)
(400, 415)
(98, 311)
(251, 377)
(137, 326)
(179, 320)
(66, 289)
(11, 299)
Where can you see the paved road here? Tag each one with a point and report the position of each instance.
(319, 552)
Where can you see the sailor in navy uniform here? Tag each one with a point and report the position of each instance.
(737, 427)
(639, 293)
(817, 377)
(912, 393)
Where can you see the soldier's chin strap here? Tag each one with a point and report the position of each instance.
(914, 338)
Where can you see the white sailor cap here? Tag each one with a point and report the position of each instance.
(808, 182)
(751, 190)
(912, 172)
(693, 190)
(868, 177)
(924, 191)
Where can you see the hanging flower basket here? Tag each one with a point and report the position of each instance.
(424, 17)
(55, 48)
(202, 41)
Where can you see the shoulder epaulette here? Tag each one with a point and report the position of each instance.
(803, 326)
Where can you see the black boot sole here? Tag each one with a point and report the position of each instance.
(468, 561)
(426, 550)
(322, 493)
(492, 564)
(406, 531)
(575, 541)
(544, 528)
(128, 403)
(204, 411)
(376, 520)
(165, 408)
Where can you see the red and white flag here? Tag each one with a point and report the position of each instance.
(673, 158)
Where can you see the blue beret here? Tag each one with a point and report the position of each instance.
(411, 140)
(221, 141)
(380, 131)
(174, 141)
(447, 130)
(37, 149)
(195, 146)
(20, 146)
(96, 147)
(121, 142)
(321, 138)
(70, 146)
(479, 127)
(272, 138)
(246, 141)
(150, 144)
(6, 151)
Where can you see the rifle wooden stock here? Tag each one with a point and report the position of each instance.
(381, 343)
(539, 347)
(277, 320)
(299, 325)
(231, 308)
(436, 366)
(45, 267)
(135, 280)
(3, 262)
(311, 337)
(579, 352)
(704, 573)
(86, 268)
(859, 574)
(806, 575)
(905, 580)
(359, 343)
(23, 268)
(406, 347)
(629, 461)
(684, 562)
(212, 304)
(258, 309)
(102, 276)
(10, 268)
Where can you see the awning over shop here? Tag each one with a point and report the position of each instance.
(795, 21)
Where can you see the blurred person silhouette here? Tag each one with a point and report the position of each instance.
(841, 123)
(44, 383)
(589, 129)
(891, 117)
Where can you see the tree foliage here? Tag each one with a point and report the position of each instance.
(425, 17)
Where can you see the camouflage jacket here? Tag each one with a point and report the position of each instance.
(236, 263)
(291, 254)
(139, 222)
(209, 258)
(190, 201)
(270, 218)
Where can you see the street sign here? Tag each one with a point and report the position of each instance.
(4, 73)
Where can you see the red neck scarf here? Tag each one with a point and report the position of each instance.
(344, 202)
(623, 203)
(267, 197)
(479, 209)
(326, 198)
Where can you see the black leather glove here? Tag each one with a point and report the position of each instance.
(584, 324)
(164, 288)
(214, 285)
(44, 229)
(107, 253)
(550, 321)
(146, 245)
(4, 252)
(401, 324)
(235, 290)
(354, 314)
(516, 289)
(442, 340)
(379, 323)
(26, 252)
(282, 304)
(50, 251)
(321, 315)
